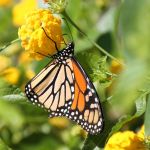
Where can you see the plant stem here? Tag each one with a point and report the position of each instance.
(10, 43)
(91, 41)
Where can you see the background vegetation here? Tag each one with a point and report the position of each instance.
(122, 29)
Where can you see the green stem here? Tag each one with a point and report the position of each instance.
(91, 41)
(10, 43)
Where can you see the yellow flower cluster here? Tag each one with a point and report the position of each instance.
(11, 75)
(5, 62)
(5, 2)
(21, 9)
(59, 122)
(25, 61)
(34, 39)
(126, 140)
(116, 67)
(8, 73)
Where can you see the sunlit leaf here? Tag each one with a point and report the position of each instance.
(11, 93)
(147, 117)
(101, 73)
(140, 109)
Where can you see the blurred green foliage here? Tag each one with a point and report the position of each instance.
(122, 29)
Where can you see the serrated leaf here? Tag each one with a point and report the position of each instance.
(11, 93)
(140, 109)
(9, 89)
(147, 117)
(101, 73)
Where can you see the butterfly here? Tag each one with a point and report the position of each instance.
(64, 89)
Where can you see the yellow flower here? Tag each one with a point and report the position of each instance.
(127, 140)
(5, 2)
(116, 67)
(5, 62)
(24, 58)
(141, 133)
(59, 122)
(34, 39)
(11, 75)
(20, 10)
(30, 74)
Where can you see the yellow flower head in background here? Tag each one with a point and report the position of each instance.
(33, 38)
(5, 62)
(59, 122)
(126, 140)
(24, 58)
(8, 73)
(11, 75)
(116, 67)
(20, 10)
(5, 2)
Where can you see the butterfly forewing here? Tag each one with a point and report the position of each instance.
(53, 88)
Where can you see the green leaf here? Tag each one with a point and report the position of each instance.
(7, 30)
(140, 109)
(147, 117)
(11, 92)
(3, 146)
(101, 73)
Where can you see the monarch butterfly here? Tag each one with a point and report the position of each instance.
(64, 89)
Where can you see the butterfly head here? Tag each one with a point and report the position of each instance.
(65, 53)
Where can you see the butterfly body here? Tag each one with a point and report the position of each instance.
(64, 89)
(65, 53)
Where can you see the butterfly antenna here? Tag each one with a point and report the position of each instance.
(68, 27)
(51, 39)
